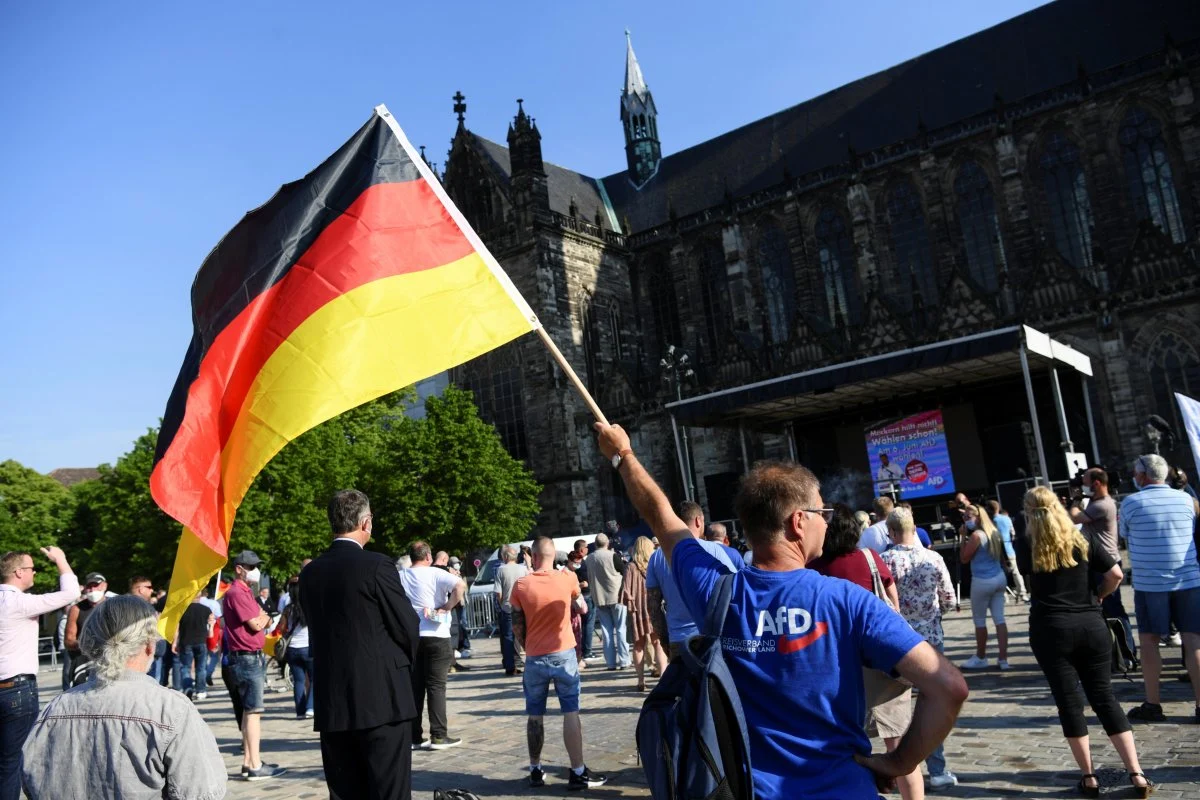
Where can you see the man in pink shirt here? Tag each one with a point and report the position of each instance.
(245, 634)
(19, 614)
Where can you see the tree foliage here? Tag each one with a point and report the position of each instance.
(445, 478)
(35, 510)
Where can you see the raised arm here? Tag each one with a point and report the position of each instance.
(647, 498)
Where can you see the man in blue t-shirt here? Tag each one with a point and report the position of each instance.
(796, 642)
(1004, 525)
(674, 624)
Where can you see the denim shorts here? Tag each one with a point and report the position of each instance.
(1157, 610)
(249, 674)
(563, 669)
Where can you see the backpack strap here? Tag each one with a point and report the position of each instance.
(718, 606)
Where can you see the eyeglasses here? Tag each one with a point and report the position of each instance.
(31, 568)
(826, 513)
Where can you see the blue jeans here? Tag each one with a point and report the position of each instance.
(589, 630)
(248, 671)
(214, 662)
(560, 668)
(508, 650)
(300, 663)
(936, 762)
(612, 628)
(18, 712)
(193, 653)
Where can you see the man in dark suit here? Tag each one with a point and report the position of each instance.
(363, 636)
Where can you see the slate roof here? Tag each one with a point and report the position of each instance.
(1031, 53)
(562, 183)
(69, 476)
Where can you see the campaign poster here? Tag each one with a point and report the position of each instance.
(910, 455)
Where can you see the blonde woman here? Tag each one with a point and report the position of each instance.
(1069, 637)
(983, 549)
(633, 595)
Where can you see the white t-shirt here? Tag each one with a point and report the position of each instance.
(427, 589)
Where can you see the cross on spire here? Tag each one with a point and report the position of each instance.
(460, 107)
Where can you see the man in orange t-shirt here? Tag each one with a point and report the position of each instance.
(541, 619)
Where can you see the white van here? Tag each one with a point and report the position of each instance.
(485, 581)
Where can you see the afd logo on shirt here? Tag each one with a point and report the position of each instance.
(784, 630)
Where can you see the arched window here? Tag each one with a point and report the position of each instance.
(912, 256)
(614, 330)
(1174, 367)
(664, 308)
(591, 344)
(778, 281)
(1151, 183)
(838, 295)
(496, 381)
(1067, 196)
(980, 226)
(714, 293)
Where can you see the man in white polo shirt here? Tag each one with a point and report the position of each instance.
(433, 593)
(1157, 522)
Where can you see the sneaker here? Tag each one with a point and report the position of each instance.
(201, 696)
(308, 714)
(443, 742)
(263, 772)
(975, 662)
(947, 778)
(586, 780)
(1003, 664)
(1147, 712)
(537, 778)
(1171, 641)
(421, 745)
(465, 653)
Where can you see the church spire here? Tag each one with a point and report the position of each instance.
(640, 120)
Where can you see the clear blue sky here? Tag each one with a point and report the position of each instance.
(135, 134)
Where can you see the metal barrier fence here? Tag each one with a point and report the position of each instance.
(47, 650)
(479, 614)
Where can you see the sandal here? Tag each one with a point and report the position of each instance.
(1088, 791)
(1142, 791)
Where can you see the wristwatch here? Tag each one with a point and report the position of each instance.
(616, 460)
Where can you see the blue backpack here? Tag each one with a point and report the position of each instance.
(691, 734)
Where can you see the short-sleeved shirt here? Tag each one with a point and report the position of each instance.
(1101, 524)
(506, 578)
(428, 588)
(796, 643)
(924, 587)
(680, 624)
(1004, 525)
(1157, 523)
(853, 567)
(923, 537)
(875, 537)
(545, 599)
(1069, 590)
(240, 606)
(193, 625)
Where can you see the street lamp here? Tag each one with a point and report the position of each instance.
(676, 370)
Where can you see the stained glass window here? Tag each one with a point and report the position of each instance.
(838, 297)
(1067, 196)
(778, 281)
(911, 252)
(1151, 182)
(980, 226)
(714, 293)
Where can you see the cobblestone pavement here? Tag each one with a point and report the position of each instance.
(1007, 742)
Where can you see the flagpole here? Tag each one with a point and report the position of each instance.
(489, 259)
(566, 367)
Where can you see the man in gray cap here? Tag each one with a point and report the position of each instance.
(245, 635)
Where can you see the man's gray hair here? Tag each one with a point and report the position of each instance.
(347, 510)
(508, 553)
(900, 521)
(116, 631)
(715, 532)
(1154, 467)
(601, 540)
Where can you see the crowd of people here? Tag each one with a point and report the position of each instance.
(819, 586)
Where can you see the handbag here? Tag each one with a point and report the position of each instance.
(877, 581)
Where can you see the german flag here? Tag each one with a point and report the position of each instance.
(357, 280)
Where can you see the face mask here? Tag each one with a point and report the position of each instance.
(253, 576)
(971, 524)
(1087, 491)
(94, 596)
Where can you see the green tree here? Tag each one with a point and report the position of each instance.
(35, 511)
(447, 478)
